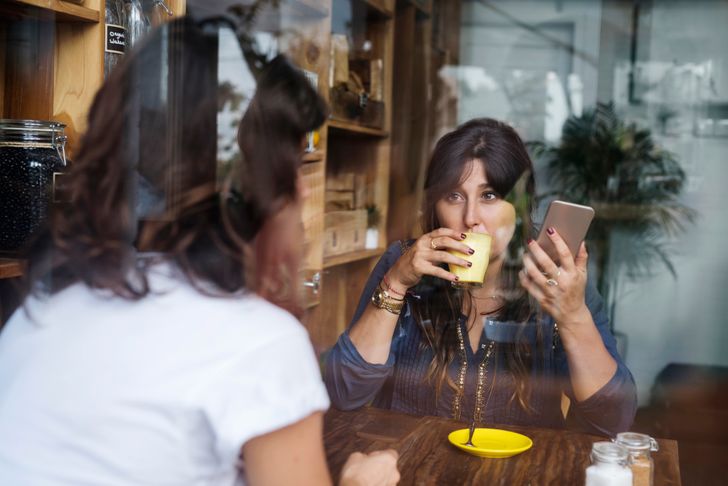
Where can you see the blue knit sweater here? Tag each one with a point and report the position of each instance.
(400, 383)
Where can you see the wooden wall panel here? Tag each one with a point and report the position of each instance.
(28, 85)
(79, 72)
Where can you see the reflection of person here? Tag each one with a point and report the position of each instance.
(428, 353)
(179, 368)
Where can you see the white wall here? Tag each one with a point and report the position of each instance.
(487, 38)
(506, 51)
(686, 320)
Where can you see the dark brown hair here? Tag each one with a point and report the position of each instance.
(508, 168)
(206, 225)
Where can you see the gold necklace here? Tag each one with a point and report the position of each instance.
(482, 375)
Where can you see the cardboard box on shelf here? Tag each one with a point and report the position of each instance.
(344, 231)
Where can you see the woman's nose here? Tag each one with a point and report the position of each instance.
(470, 218)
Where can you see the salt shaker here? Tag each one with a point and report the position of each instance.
(610, 465)
(641, 463)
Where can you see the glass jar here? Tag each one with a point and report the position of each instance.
(32, 154)
(610, 465)
(641, 463)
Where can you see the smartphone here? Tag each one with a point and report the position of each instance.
(571, 221)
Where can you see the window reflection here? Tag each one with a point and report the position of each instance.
(656, 73)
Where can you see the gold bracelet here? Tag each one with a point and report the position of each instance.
(382, 300)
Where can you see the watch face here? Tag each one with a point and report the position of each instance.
(377, 297)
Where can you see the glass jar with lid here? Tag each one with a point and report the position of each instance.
(639, 446)
(610, 465)
(32, 155)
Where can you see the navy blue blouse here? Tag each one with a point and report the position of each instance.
(400, 383)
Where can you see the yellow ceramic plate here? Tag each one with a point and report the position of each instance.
(494, 443)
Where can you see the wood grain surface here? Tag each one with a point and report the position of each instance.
(10, 267)
(558, 457)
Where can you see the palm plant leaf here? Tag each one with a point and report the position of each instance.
(633, 184)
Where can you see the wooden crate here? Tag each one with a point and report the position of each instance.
(349, 106)
(340, 201)
(344, 231)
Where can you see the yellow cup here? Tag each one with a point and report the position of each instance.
(472, 277)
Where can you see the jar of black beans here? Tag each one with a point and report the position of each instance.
(32, 156)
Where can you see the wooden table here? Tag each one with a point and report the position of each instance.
(558, 457)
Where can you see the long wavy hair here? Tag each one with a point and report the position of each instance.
(509, 169)
(220, 232)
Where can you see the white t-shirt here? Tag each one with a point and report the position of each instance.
(166, 390)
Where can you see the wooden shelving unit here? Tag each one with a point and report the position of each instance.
(345, 146)
(354, 256)
(315, 156)
(60, 75)
(52, 62)
(51, 65)
(353, 128)
(382, 8)
(63, 11)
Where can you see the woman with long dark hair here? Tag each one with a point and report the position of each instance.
(502, 353)
(184, 365)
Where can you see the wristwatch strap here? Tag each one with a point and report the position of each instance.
(383, 300)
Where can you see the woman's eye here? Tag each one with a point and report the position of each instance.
(454, 196)
(489, 196)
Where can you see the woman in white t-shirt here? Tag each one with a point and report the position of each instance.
(188, 366)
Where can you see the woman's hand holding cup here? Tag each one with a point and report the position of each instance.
(473, 275)
(425, 257)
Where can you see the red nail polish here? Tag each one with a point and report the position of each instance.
(463, 236)
(470, 264)
(530, 240)
(550, 230)
(471, 251)
(457, 278)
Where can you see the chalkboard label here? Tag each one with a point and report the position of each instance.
(115, 39)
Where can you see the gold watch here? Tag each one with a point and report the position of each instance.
(382, 299)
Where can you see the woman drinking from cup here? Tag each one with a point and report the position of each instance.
(420, 340)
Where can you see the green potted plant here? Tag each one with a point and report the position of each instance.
(374, 216)
(632, 184)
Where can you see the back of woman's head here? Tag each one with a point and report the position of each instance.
(494, 143)
(155, 121)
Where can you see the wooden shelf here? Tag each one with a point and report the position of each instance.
(315, 156)
(354, 256)
(353, 128)
(379, 8)
(64, 11)
(10, 267)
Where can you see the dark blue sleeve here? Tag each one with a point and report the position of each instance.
(351, 381)
(612, 408)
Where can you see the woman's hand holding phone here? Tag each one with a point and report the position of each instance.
(559, 289)
(558, 283)
(555, 266)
